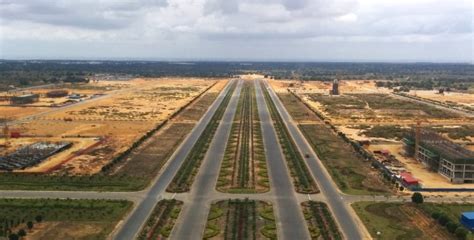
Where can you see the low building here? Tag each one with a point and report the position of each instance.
(408, 180)
(442, 155)
(24, 99)
(467, 219)
(57, 93)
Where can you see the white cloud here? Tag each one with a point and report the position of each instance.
(198, 22)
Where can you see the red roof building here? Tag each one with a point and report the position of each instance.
(408, 179)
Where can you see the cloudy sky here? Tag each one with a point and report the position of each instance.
(312, 30)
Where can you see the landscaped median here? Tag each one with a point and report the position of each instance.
(189, 168)
(161, 221)
(60, 218)
(241, 219)
(302, 179)
(321, 224)
(244, 167)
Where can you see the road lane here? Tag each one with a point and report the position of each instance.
(141, 212)
(192, 220)
(335, 200)
(289, 215)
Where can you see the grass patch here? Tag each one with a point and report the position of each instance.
(62, 218)
(406, 220)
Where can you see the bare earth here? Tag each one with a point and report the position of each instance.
(127, 111)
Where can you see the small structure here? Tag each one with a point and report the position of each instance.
(408, 180)
(335, 87)
(467, 219)
(57, 93)
(75, 96)
(24, 99)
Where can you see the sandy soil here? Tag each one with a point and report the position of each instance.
(345, 86)
(63, 230)
(456, 97)
(427, 178)
(13, 113)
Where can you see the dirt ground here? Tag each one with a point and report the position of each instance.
(345, 86)
(127, 112)
(456, 97)
(13, 113)
(426, 177)
(64, 230)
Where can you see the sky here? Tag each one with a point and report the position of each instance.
(268, 30)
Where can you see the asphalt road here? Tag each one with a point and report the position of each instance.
(289, 215)
(139, 215)
(335, 199)
(192, 221)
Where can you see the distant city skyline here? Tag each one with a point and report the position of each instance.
(246, 30)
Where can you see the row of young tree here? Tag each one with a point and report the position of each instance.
(444, 220)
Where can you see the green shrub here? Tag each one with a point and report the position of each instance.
(436, 215)
(443, 220)
(417, 198)
(452, 226)
(461, 233)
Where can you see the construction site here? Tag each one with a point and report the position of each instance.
(441, 155)
(384, 122)
(78, 128)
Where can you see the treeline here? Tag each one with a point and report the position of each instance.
(446, 84)
(25, 73)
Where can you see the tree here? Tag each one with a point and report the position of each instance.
(417, 198)
(22, 233)
(461, 233)
(39, 218)
(13, 236)
(30, 225)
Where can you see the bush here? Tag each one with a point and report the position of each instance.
(443, 220)
(13, 236)
(461, 233)
(436, 215)
(417, 198)
(452, 226)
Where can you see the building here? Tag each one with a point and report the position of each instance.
(467, 219)
(335, 87)
(441, 155)
(57, 93)
(408, 179)
(24, 99)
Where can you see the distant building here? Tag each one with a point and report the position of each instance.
(335, 88)
(442, 155)
(75, 96)
(24, 99)
(467, 219)
(57, 93)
